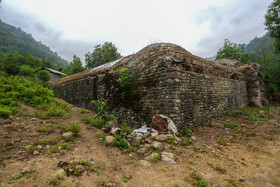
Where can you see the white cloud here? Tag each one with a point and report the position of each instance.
(74, 27)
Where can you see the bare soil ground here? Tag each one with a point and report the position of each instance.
(249, 156)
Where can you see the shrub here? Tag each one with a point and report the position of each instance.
(125, 128)
(120, 143)
(125, 76)
(5, 111)
(97, 122)
(44, 75)
(75, 128)
(101, 105)
(26, 70)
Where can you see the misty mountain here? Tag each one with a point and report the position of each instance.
(14, 39)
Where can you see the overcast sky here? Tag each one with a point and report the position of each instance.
(71, 27)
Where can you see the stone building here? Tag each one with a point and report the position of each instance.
(168, 80)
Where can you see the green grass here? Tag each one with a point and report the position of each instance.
(187, 142)
(199, 182)
(121, 143)
(126, 178)
(157, 158)
(222, 142)
(55, 180)
(231, 124)
(17, 89)
(75, 128)
(48, 141)
(98, 122)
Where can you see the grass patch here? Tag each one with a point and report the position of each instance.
(231, 125)
(56, 179)
(121, 143)
(222, 142)
(187, 142)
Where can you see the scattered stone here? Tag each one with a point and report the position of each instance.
(178, 139)
(149, 140)
(59, 172)
(217, 124)
(40, 147)
(147, 134)
(36, 153)
(151, 157)
(161, 138)
(110, 124)
(145, 163)
(33, 119)
(109, 184)
(129, 136)
(67, 134)
(169, 136)
(109, 139)
(80, 167)
(115, 130)
(48, 146)
(26, 170)
(138, 138)
(167, 159)
(167, 154)
(148, 146)
(142, 151)
(193, 138)
(157, 145)
(154, 135)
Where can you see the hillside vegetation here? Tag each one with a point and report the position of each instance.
(13, 39)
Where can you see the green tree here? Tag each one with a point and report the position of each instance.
(272, 22)
(44, 75)
(13, 62)
(26, 70)
(101, 55)
(74, 67)
(264, 55)
(233, 51)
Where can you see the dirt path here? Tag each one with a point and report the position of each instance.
(250, 158)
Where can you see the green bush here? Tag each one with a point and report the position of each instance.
(120, 143)
(75, 128)
(26, 70)
(125, 76)
(98, 122)
(14, 89)
(44, 75)
(101, 105)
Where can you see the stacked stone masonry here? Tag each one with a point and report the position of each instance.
(166, 79)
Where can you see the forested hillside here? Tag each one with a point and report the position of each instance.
(14, 39)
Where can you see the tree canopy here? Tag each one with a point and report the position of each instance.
(272, 22)
(75, 66)
(13, 39)
(233, 51)
(102, 54)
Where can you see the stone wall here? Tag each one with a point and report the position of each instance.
(166, 80)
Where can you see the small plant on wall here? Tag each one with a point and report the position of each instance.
(124, 76)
